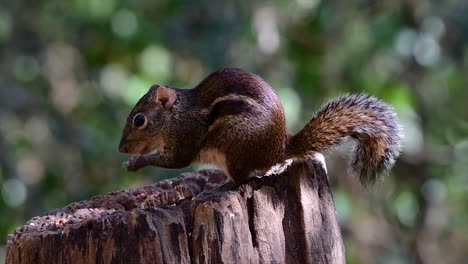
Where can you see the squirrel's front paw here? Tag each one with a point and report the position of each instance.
(132, 164)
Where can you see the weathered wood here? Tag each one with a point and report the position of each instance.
(285, 218)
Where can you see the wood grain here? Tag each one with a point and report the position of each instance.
(282, 218)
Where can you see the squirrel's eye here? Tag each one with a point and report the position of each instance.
(139, 121)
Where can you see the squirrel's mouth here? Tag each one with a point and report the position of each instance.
(148, 151)
(144, 153)
(142, 147)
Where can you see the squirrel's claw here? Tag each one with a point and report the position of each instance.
(132, 164)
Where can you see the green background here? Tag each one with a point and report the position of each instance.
(72, 70)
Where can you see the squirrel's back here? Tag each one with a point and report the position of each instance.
(232, 84)
(246, 125)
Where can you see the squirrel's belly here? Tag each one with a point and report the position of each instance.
(212, 156)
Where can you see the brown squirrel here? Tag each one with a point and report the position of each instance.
(235, 120)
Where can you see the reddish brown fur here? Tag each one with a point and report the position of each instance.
(250, 138)
(366, 119)
(234, 119)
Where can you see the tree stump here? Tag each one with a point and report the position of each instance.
(286, 217)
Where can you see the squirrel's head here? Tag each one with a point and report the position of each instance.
(146, 122)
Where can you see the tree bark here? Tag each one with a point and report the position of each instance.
(286, 217)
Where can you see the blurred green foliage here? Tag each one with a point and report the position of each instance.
(72, 70)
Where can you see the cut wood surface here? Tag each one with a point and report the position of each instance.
(288, 217)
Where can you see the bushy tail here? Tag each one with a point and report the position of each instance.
(368, 120)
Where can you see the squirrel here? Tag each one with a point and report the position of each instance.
(234, 119)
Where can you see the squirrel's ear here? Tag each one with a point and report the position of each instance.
(165, 96)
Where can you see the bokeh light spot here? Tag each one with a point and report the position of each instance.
(308, 4)
(434, 25)
(5, 25)
(14, 192)
(426, 50)
(343, 204)
(405, 41)
(292, 106)
(156, 63)
(97, 9)
(25, 68)
(37, 129)
(434, 191)
(124, 23)
(266, 28)
(113, 79)
(30, 169)
(135, 89)
(406, 208)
